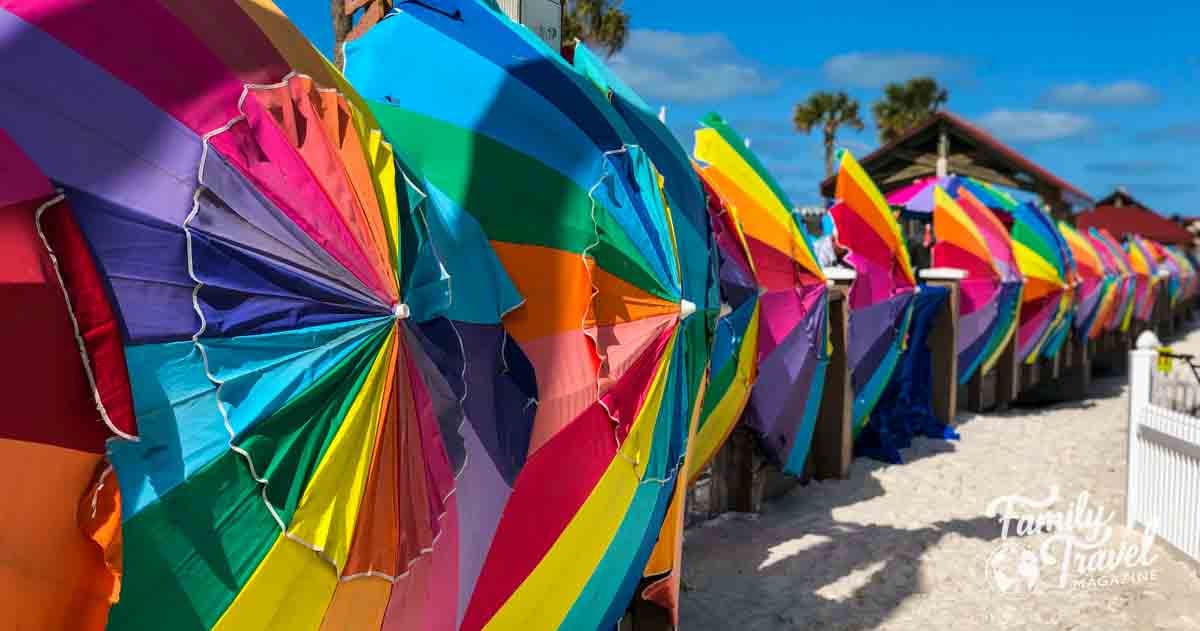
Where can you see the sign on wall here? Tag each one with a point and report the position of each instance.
(543, 17)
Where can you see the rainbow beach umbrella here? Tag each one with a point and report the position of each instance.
(989, 195)
(1165, 263)
(1187, 272)
(882, 294)
(969, 237)
(1074, 282)
(687, 208)
(1047, 299)
(918, 198)
(792, 350)
(512, 140)
(734, 367)
(691, 205)
(1097, 289)
(1145, 272)
(302, 366)
(1121, 271)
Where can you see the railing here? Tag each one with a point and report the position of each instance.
(1176, 383)
(1163, 472)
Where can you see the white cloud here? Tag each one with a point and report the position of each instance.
(1034, 125)
(1117, 94)
(876, 69)
(683, 67)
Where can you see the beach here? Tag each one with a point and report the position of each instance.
(909, 546)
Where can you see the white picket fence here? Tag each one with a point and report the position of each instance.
(1163, 476)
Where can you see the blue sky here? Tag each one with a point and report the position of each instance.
(1100, 92)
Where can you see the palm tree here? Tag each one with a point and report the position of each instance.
(601, 23)
(829, 111)
(906, 105)
(345, 28)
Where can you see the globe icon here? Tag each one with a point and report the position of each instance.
(1013, 568)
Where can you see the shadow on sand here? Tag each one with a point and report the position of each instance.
(798, 551)
(775, 578)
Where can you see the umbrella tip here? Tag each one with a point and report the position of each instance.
(686, 308)
(401, 311)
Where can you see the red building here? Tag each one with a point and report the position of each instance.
(1122, 215)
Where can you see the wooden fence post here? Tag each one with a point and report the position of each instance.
(974, 392)
(1078, 377)
(735, 483)
(943, 343)
(833, 437)
(998, 388)
(1007, 374)
(1031, 374)
(1161, 315)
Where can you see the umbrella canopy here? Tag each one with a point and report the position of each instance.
(1096, 288)
(1166, 263)
(990, 196)
(792, 336)
(1175, 278)
(883, 289)
(918, 198)
(689, 204)
(734, 365)
(1074, 281)
(969, 237)
(296, 349)
(687, 210)
(491, 116)
(62, 536)
(1190, 272)
(1046, 300)
(1145, 272)
(596, 71)
(1187, 272)
(1121, 273)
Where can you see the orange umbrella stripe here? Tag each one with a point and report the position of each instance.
(558, 288)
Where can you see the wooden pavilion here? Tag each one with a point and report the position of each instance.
(947, 144)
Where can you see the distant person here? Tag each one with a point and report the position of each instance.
(821, 234)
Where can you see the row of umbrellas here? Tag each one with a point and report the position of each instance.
(1035, 279)
(438, 343)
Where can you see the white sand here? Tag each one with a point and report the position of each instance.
(906, 546)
